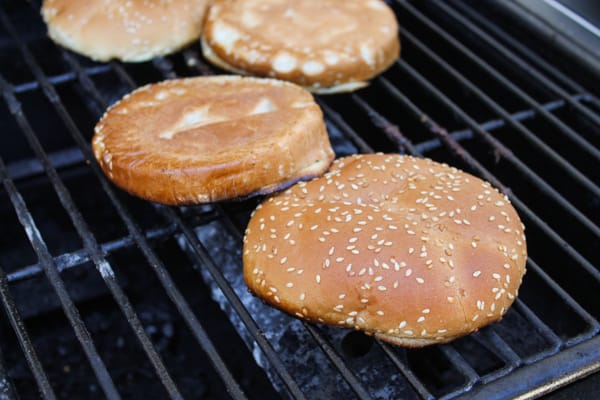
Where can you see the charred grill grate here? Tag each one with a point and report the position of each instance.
(103, 294)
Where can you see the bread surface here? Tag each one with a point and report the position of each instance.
(128, 30)
(205, 139)
(326, 46)
(409, 250)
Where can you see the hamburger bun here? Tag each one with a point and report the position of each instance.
(204, 139)
(326, 46)
(406, 249)
(132, 30)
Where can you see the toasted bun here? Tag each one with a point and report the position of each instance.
(132, 30)
(204, 139)
(409, 250)
(326, 46)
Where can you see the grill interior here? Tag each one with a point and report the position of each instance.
(105, 295)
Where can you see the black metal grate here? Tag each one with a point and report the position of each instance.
(103, 293)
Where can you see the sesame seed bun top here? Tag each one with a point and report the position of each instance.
(413, 251)
(317, 44)
(129, 30)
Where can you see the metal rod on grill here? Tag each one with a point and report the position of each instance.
(165, 67)
(7, 391)
(594, 325)
(76, 258)
(533, 58)
(463, 367)
(494, 124)
(58, 285)
(95, 253)
(441, 133)
(583, 144)
(498, 147)
(164, 277)
(24, 341)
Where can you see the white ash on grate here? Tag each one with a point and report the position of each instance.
(327, 46)
(205, 139)
(410, 250)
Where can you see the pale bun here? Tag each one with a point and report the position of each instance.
(326, 46)
(205, 139)
(409, 250)
(128, 30)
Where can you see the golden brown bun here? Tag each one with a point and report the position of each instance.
(132, 30)
(410, 250)
(205, 139)
(325, 46)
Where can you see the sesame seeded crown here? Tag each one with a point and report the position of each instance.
(410, 250)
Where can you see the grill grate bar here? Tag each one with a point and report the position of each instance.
(390, 130)
(498, 146)
(495, 124)
(487, 175)
(166, 68)
(86, 235)
(7, 391)
(566, 297)
(473, 163)
(31, 167)
(135, 232)
(316, 334)
(400, 363)
(463, 367)
(58, 79)
(19, 328)
(540, 325)
(562, 127)
(77, 258)
(339, 363)
(530, 56)
(203, 260)
(494, 343)
(58, 285)
(350, 133)
(549, 374)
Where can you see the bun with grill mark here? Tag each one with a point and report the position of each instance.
(409, 250)
(327, 46)
(132, 30)
(198, 140)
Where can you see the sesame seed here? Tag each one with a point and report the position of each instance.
(421, 319)
(476, 273)
(408, 272)
(420, 280)
(496, 276)
(381, 288)
(289, 285)
(302, 296)
(402, 324)
(379, 312)
(318, 278)
(426, 311)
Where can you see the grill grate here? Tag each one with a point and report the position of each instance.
(469, 92)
